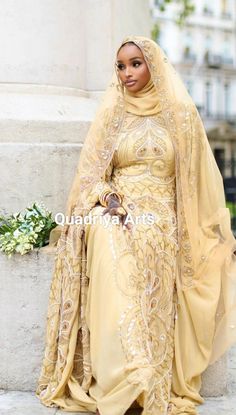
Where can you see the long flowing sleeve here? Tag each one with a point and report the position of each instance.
(96, 195)
(102, 188)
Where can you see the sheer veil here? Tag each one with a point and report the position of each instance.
(206, 278)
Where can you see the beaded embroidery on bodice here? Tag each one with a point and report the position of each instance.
(145, 141)
(144, 169)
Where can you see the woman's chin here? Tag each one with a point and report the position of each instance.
(133, 88)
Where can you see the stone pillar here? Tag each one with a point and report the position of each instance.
(66, 44)
(117, 19)
(56, 58)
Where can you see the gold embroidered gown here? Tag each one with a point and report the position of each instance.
(131, 305)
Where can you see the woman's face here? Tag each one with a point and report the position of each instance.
(132, 68)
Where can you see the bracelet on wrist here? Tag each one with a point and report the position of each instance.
(105, 195)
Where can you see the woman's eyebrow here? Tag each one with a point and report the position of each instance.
(136, 57)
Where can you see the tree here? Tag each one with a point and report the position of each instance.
(187, 7)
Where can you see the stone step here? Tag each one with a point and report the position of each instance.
(42, 130)
(26, 403)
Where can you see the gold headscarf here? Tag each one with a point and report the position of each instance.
(206, 278)
(144, 102)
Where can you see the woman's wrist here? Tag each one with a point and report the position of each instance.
(104, 197)
(113, 196)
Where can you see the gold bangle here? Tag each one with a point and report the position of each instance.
(104, 197)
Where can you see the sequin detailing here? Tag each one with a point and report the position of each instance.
(144, 171)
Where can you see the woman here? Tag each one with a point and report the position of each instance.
(139, 309)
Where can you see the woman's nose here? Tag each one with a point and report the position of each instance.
(127, 71)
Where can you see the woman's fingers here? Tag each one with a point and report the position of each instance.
(118, 211)
(105, 211)
(115, 210)
(128, 225)
(111, 208)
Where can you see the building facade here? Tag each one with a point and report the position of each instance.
(204, 52)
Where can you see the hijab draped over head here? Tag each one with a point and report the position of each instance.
(144, 102)
(206, 276)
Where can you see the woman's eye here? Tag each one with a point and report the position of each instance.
(136, 64)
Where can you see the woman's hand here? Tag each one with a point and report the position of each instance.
(115, 208)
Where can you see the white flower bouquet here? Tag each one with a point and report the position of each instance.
(20, 233)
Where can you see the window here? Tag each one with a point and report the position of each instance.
(227, 98)
(208, 42)
(188, 39)
(207, 10)
(188, 54)
(224, 6)
(226, 50)
(208, 48)
(225, 9)
(208, 98)
(226, 47)
(189, 85)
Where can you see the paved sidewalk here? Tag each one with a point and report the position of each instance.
(26, 403)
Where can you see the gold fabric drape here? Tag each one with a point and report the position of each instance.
(206, 278)
(144, 102)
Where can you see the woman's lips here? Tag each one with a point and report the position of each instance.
(130, 83)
